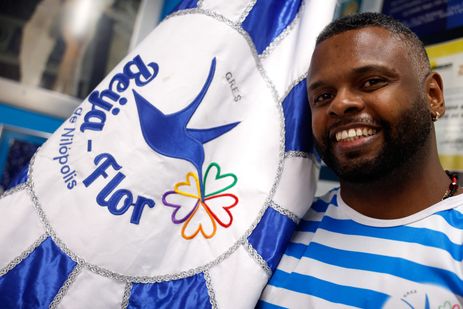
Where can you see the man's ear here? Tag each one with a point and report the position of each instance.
(435, 94)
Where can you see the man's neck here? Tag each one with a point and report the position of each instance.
(407, 190)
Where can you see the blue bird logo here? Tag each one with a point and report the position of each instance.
(169, 136)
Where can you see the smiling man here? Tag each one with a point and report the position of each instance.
(391, 236)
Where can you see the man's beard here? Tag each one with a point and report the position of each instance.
(400, 146)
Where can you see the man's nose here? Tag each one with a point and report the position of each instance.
(346, 102)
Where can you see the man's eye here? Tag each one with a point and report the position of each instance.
(373, 82)
(323, 97)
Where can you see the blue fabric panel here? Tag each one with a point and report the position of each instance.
(184, 5)
(271, 236)
(298, 127)
(267, 19)
(34, 282)
(189, 292)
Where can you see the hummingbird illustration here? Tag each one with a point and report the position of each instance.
(168, 135)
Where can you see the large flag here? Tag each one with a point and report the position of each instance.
(181, 177)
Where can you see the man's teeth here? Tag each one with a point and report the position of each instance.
(353, 134)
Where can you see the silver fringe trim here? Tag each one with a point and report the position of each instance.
(243, 240)
(246, 11)
(291, 86)
(257, 258)
(210, 290)
(23, 255)
(200, 3)
(126, 296)
(285, 212)
(296, 154)
(14, 190)
(67, 284)
(268, 50)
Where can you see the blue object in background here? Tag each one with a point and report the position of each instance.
(433, 21)
(22, 132)
(455, 20)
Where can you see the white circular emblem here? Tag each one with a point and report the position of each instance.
(170, 161)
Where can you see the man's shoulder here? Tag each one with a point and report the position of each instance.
(323, 202)
(455, 203)
(329, 197)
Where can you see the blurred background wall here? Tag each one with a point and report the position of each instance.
(54, 52)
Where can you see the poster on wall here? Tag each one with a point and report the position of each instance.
(433, 21)
(447, 59)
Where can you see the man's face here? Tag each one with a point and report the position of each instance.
(369, 112)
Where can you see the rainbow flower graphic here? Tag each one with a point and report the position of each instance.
(201, 207)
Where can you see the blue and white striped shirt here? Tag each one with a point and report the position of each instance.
(339, 258)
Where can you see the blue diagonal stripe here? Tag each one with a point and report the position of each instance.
(298, 129)
(35, 281)
(264, 305)
(321, 206)
(269, 18)
(295, 250)
(190, 292)
(453, 217)
(270, 242)
(423, 236)
(351, 296)
(308, 226)
(398, 267)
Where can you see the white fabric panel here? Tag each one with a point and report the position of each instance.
(20, 226)
(236, 280)
(272, 294)
(296, 49)
(229, 9)
(296, 189)
(90, 290)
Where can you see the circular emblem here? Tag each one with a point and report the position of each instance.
(169, 163)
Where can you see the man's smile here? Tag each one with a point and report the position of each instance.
(354, 133)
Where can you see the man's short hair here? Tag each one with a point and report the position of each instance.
(417, 51)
